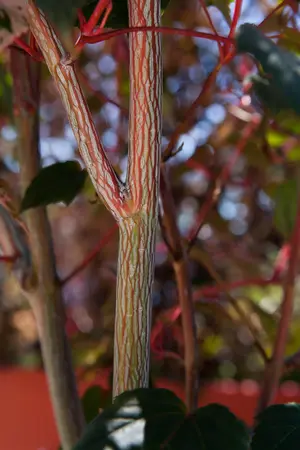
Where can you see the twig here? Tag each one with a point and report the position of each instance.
(213, 291)
(180, 266)
(206, 12)
(41, 288)
(168, 152)
(91, 256)
(214, 192)
(100, 95)
(206, 262)
(94, 39)
(274, 368)
(274, 11)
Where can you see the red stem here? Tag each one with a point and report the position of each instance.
(213, 291)
(92, 255)
(274, 369)
(166, 30)
(7, 259)
(236, 16)
(223, 178)
(100, 95)
(28, 49)
(278, 7)
(101, 6)
(203, 4)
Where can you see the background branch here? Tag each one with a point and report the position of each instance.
(180, 266)
(275, 367)
(42, 289)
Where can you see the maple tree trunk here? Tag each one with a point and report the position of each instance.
(135, 204)
(138, 231)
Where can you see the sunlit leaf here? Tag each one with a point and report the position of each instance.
(286, 206)
(275, 138)
(294, 154)
(156, 418)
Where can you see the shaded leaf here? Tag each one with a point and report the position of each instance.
(157, 419)
(278, 86)
(5, 21)
(60, 182)
(5, 92)
(93, 399)
(62, 15)
(285, 197)
(278, 428)
(118, 17)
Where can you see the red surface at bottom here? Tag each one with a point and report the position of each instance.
(27, 420)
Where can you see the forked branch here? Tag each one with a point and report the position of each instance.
(61, 67)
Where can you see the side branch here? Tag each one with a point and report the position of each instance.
(41, 287)
(183, 282)
(61, 67)
(276, 365)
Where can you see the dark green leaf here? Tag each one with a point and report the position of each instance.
(285, 198)
(279, 85)
(5, 92)
(118, 17)
(62, 14)
(153, 419)
(93, 399)
(60, 182)
(278, 428)
(5, 20)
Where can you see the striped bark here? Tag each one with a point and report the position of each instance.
(137, 233)
(135, 204)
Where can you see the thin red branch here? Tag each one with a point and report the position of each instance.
(213, 196)
(93, 39)
(100, 95)
(28, 49)
(184, 290)
(209, 294)
(8, 259)
(214, 291)
(236, 15)
(192, 164)
(90, 25)
(274, 368)
(91, 256)
(81, 19)
(274, 11)
(206, 12)
(180, 129)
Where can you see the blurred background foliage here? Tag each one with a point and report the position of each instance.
(241, 237)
